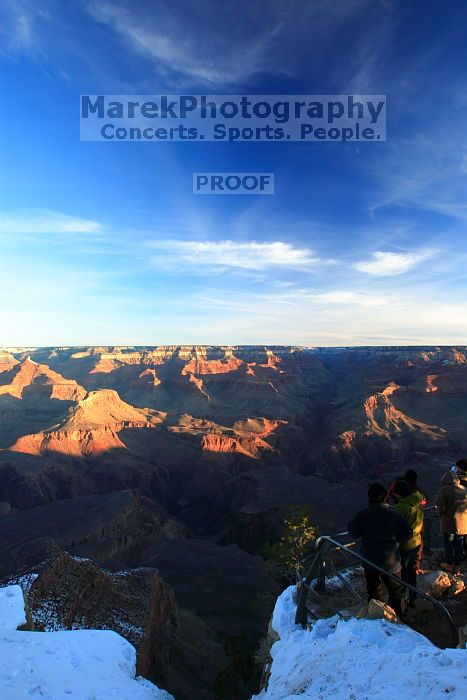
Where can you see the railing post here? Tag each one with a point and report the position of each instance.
(428, 526)
(317, 571)
(320, 585)
(427, 539)
(301, 616)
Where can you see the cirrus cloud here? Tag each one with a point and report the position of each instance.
(44, 221)
(168, 39)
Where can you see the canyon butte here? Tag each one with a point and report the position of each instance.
(140, 486)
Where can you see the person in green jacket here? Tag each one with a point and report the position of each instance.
(409, 505)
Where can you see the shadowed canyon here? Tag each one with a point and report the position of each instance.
(171, 469)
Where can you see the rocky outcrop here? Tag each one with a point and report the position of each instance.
(92, 426)
(7, 361)
(248, 446)
(33, 397)
(146, 379)
(69, 442)
(105, 408)
(352, 454)
(175, 648)
(383, 418)
(72, 593)
(113, 529)
(199, 366)
(39, 381)
(247, 438)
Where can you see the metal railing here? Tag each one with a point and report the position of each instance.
(427, 534)
(317, 572)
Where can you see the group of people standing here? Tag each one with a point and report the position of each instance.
(391, 528)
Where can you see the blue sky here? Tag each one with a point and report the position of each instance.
(104, 243)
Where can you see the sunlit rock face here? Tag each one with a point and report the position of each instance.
(332, 412)
(188, 424)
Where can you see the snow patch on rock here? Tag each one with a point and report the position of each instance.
(359, 659)
(81, 664)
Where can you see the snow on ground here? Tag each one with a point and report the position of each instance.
(12, 613)
(82, 664)
(359, 659)
(283, 616)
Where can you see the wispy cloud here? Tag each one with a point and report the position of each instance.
(232, 254)
(385, 264)
(16, 26)
(431, 174)
(350, 298)
(176, 44)
(25, 26)
(44, 221)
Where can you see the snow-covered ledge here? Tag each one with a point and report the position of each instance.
(78, 664)
(358, 659)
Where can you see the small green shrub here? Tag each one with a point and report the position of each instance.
(286, 556)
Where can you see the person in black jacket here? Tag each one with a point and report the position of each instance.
(381, 530)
